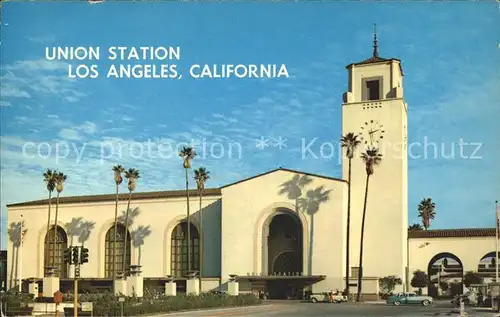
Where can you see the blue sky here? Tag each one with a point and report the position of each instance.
(450, 59)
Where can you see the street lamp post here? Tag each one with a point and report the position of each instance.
(407, 271)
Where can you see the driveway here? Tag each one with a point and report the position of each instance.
(302, 309)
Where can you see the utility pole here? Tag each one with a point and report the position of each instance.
(75, 302)
(76, 262)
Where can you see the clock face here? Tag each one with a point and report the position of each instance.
(372, 132)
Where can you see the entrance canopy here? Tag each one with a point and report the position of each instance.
(262, 281)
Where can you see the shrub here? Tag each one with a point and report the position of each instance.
(471, 277)
(419, 280)
(388, 283)
(15, 299)
(107, 304)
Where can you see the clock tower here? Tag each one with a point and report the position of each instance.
(374, 108)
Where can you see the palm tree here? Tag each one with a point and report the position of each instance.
(371, 158)
(60, 179)
(415, 226)
(350, 142)
(50, 181)
(132, 175)
(118, 170)
(187, 154)
(426, 211)
(201, 175)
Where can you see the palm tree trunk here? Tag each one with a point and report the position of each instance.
(201, 238)
(126, 234)
(17, 264)
(55, 229)
(360, 273)
(47, 240)
(348, 235)
(311, 245)
(115, 234)
(139, 256)
(12, 267)
(188, 223)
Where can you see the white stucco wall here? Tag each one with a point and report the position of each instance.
(470, 250)
(246, 205)
(162, 215)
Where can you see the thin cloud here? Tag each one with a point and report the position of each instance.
(44, 39)
(28, 78)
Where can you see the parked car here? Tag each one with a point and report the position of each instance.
(325, 298)
(409, 299)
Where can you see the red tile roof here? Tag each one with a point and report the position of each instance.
(452, 233)
(376, 59)
(158, 194)
(121, 197)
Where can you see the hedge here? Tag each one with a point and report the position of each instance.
(107, 304)
(15, 299)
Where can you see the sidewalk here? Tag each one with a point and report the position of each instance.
(482, 311)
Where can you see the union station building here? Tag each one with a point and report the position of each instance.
(281, 231)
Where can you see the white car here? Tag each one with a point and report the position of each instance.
(325, 298)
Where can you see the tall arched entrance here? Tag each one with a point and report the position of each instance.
(284, 252)
(445, 272)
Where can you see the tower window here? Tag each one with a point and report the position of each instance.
(373, 89)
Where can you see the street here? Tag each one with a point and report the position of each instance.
(296, 308)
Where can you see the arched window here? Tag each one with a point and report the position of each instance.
(120, 242)
(179, 251)
(54, 251)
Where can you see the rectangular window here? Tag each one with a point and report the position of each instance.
(373, 89)
(354, 272)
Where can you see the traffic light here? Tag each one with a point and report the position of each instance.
(75, 255)
(84, 256)
(67, 255)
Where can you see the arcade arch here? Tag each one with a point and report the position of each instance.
(445, 271)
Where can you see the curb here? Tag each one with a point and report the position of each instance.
(190, 311)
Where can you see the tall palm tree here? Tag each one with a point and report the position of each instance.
(371, 158)
(187, 153)
(350, 142)
(201, 175)
(118, 170)
(132, 175)
(49, 177)
(60, 179)
(427, 211)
